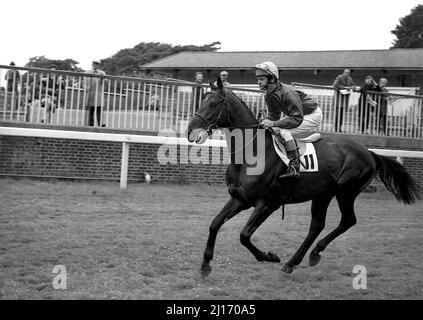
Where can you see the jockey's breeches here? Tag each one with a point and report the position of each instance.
(311, 123)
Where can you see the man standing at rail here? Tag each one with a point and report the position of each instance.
(343, 85)
(94, 95)
(383, 104)
(198, 90)
(224, 77)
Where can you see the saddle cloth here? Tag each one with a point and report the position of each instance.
(308, 156)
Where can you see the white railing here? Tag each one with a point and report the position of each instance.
(374, 113)
(77, 99)
(81, 99)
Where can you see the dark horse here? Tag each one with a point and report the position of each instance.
(346, 168)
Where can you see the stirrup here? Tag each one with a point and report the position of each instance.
(290, 174)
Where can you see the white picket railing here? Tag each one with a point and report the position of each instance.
(77, 99)
(71, 99)
(374, 113)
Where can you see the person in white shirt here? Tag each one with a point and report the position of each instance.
(224, 77)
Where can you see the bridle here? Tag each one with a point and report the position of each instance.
(214, 124)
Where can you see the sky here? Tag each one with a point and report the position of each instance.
(87, 30)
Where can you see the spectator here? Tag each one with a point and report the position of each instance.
(28, 93)
(198, 90)
(343, 85)
(154, 101)
(383, 104)
(51, 85)
(366, 103)
(12, 77)
(224, 77)
(94, 95)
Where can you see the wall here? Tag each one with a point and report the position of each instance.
(78, 158)
(81, 158)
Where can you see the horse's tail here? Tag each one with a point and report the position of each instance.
(396, 179)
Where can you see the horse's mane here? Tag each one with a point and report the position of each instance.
(267, 132)
(244, 104)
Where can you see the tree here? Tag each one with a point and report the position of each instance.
(127, 61)
(410, 31)
(43, 62)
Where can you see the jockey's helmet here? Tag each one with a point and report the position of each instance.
(267, 69)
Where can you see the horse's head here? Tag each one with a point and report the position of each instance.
(212, 114)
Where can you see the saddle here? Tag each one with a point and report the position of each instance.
(308, 156)
(301, 142)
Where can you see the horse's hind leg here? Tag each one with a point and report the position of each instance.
(231, 208)
(261, 212)
(318, 216)
(348, 219)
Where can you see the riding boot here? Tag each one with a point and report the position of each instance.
(294, 160)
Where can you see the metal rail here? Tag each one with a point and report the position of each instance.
(32, 95)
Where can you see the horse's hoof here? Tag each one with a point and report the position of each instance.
(287, 268)
(314, 259)
(273, 257)
(205, 271)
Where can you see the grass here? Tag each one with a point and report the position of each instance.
(147, 243)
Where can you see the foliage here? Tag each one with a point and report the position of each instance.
(46, 63)
(127, 61)
(410, 31)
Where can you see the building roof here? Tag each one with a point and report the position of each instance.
(404, 59)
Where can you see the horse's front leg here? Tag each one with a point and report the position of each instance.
(231, 208)
(259, 215)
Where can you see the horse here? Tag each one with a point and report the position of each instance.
(346, 168)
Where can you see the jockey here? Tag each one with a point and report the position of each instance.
(300, 113)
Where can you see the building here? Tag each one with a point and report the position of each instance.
(402, 67)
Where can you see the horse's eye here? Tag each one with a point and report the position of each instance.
(212, 103)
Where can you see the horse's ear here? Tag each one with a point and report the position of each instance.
(212, 86)
(219, 83)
